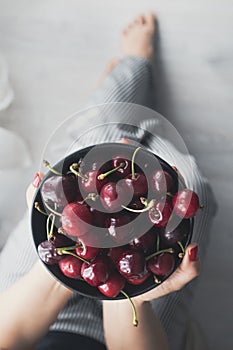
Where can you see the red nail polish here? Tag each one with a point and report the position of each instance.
(36, 180)
(193, 253)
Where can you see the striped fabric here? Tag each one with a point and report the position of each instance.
(130, 81)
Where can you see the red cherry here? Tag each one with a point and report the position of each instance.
(146, 242)
(171, 236)
(75, 218)
(114, 252)
(123, 170)
(90, 183)
(60, 190)
(161, 182)
(131, 264)
(114, 284)
(140, 280)
(186, 203)
(137, 184)
(160, 213)
(113, 195)
(70, 266)
(97, 272)
(161, 265)
(120, 227)
(86, 251)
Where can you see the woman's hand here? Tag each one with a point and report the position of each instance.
(186, 272)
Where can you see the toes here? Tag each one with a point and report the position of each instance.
(150, 19)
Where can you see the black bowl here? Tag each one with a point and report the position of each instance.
(38, 220)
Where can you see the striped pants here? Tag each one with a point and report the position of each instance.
(130, 81)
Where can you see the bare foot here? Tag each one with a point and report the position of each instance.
(137, 38)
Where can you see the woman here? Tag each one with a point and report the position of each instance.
(36, 311)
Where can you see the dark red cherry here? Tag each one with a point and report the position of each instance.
(161, 182)
(120, 227)
(114, 284)
(147, 242)
(140, 280)
(99, 217)
(48, 253)
(97, 272)
(161, 265)
(124, 170)
(75, 218)
(70, 266)
(60, 190)
(86, 251)
(160, 213)
(90, 183)
(113, 195)
(136, 185)
(186, 203)
(47, 249)
(114, 252)
(174, 235)
(131, 264)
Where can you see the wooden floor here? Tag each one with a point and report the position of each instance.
(56, 50)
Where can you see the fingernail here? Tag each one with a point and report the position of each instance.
(36, 180)
(193, 253)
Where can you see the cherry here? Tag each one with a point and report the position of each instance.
(159, 213)
(137, 184)
(124, 170)
(119, 227)
(186, 203)
(140, 280)
(48, 253)
(114, 252)
(70, 266)
(86, 251)
(60, 190)
(174, 235)
(97, 272)
(74, 218)
(131, 264)
(91, 183)
(113, 286)
(113, 195)
(99, 217)
(147, 242)
(161, 182)
(162, 264)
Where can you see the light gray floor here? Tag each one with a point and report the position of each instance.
(56, 50)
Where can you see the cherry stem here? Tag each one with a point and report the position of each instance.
(70, 248)
(52, 210)
(135, 321)
(156, 279)
(49, 166)
(91, 196)
(168, 250)
(149, 206)
(49, 231)
(73, 169)
(144, 201)
(102, 176)
(37, 207)
(181, 255)
(62, 251)
(133, 159)
(169, 194)
(201, 206)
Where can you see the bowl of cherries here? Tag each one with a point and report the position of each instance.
(112, 221)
